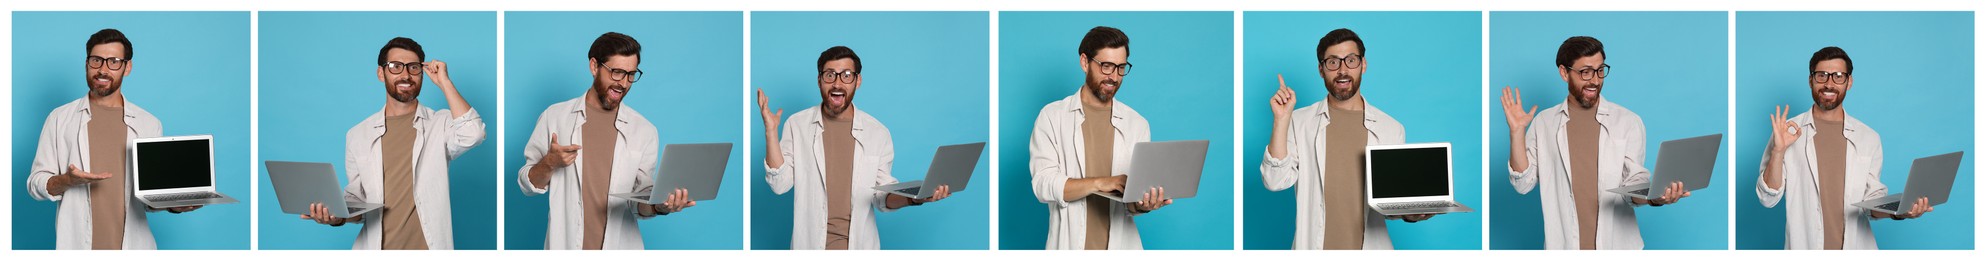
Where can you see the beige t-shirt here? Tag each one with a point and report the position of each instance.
(838, 137)
(1832, 146)
(598, 135)
(107, 200)
(1583, 131)
(1098, 139)
(1344, 180)
(402, 220)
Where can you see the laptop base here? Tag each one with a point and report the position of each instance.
(217, 199)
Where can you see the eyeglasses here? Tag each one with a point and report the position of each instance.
(620, 74)
(1835, 77)
(396, 67)
(1588, 73)
(99, 62)
(1114, 68)
(1349, 61)
(831, 76)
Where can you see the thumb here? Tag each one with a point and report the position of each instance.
(555, 140)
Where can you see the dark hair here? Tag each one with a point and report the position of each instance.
(1830, 53)
(614, 44)
(404, 44)
(108, 35)
(836, 53)
(1335, 37)
(1103, 37)
(1579, 46)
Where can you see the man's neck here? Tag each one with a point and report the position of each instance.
(115, 99)
(1574, 101)
(1089, 98)
(1355, 103)
(1836, 114)
(397, 108)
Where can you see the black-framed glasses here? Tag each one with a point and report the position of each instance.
(831, 76)
(1589, 73)
(1348, 61)
(621, 74)
(1835, 77)
(1114, 68)
(396, 67)
(99, 62)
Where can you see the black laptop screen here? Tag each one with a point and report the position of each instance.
(174, 164)
(1413, 172)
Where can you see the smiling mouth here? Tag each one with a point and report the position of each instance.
(1342, 82)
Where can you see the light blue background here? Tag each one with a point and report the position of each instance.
(1424, 66)
(1668, 67)
(1914, 86)
(190, 69)
(1182, 83)
(925, 78)
(691, 74)
(317, 82)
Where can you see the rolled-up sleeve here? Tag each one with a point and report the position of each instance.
(1874, 179)
(1045, 164)
(1526, 180)
(781, 178)
(46, 166)
(647, 162)
(1280, 173)
(534, 150)
(464, 132)
(885, 163)
(1768, 196)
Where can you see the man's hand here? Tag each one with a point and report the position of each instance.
(1783, 130)
(322, 215)
(438, 72)
(184, 209)
(677, 201)
(1153, 200)
(1675, 193)
(1280, 104)
(771, 118)
(1923, 206)
(1515, 116)
(560, 156)
(944, 191)
(74, 177)
(1108, 184)
(1411, 218)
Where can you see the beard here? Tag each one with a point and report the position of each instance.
(1346, 92)
(1586, 101)
(1820, 98)
(608, 96)
(109, 84)
(404, 96)
(1103, 89)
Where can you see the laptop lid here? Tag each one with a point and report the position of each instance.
(172, 164)
(1175, 165)
(1689, 160)
(698, 168)
(952, 165)
(298, 184)
(1408, 172)
(1931, 177)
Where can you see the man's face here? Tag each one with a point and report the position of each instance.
(105, 67)
(1101, 85)
(1827, 93)
(607, 90)
(838, 84)
(1343, 69)
(1585, 87)
(402, 84)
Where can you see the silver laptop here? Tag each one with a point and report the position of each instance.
(1173, 165)
(174, 171)
(1930, 177)
(1688, 160)
(951, 166)
(298, 184)
(695, 168)
(1404, 179)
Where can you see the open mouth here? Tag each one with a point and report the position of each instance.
(1342, 82)
(1589, 91)
(838, 96)
(404, 86)
(1830, 94)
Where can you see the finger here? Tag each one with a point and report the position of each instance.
(1280, 82)
(555, 140)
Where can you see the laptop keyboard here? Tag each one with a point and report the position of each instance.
(1416, 205)
(1642, 192)
(910, 190)
(1889, 206)
(182, 196)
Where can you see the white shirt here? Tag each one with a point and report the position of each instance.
(1303, 167)
(1800, 178)
(805, 173)
(436, 141)
(1056, 154)
(635, 159)
(65, 141)
(1622, 148)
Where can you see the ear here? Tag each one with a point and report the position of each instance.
(126, 71)
(1564, 74)
(381, 72)
(593, 65)
(1844, 87)
(1081, 62)
(858, 82)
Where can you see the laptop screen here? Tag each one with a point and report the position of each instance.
(174, 164)
(1409, 172)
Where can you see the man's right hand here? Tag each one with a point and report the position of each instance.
(76, 177)
(322, 215)
(1284, 100)
(767, 115)
(560, 156)
(1513, 111)
(1108, 184)
(1783, 130)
